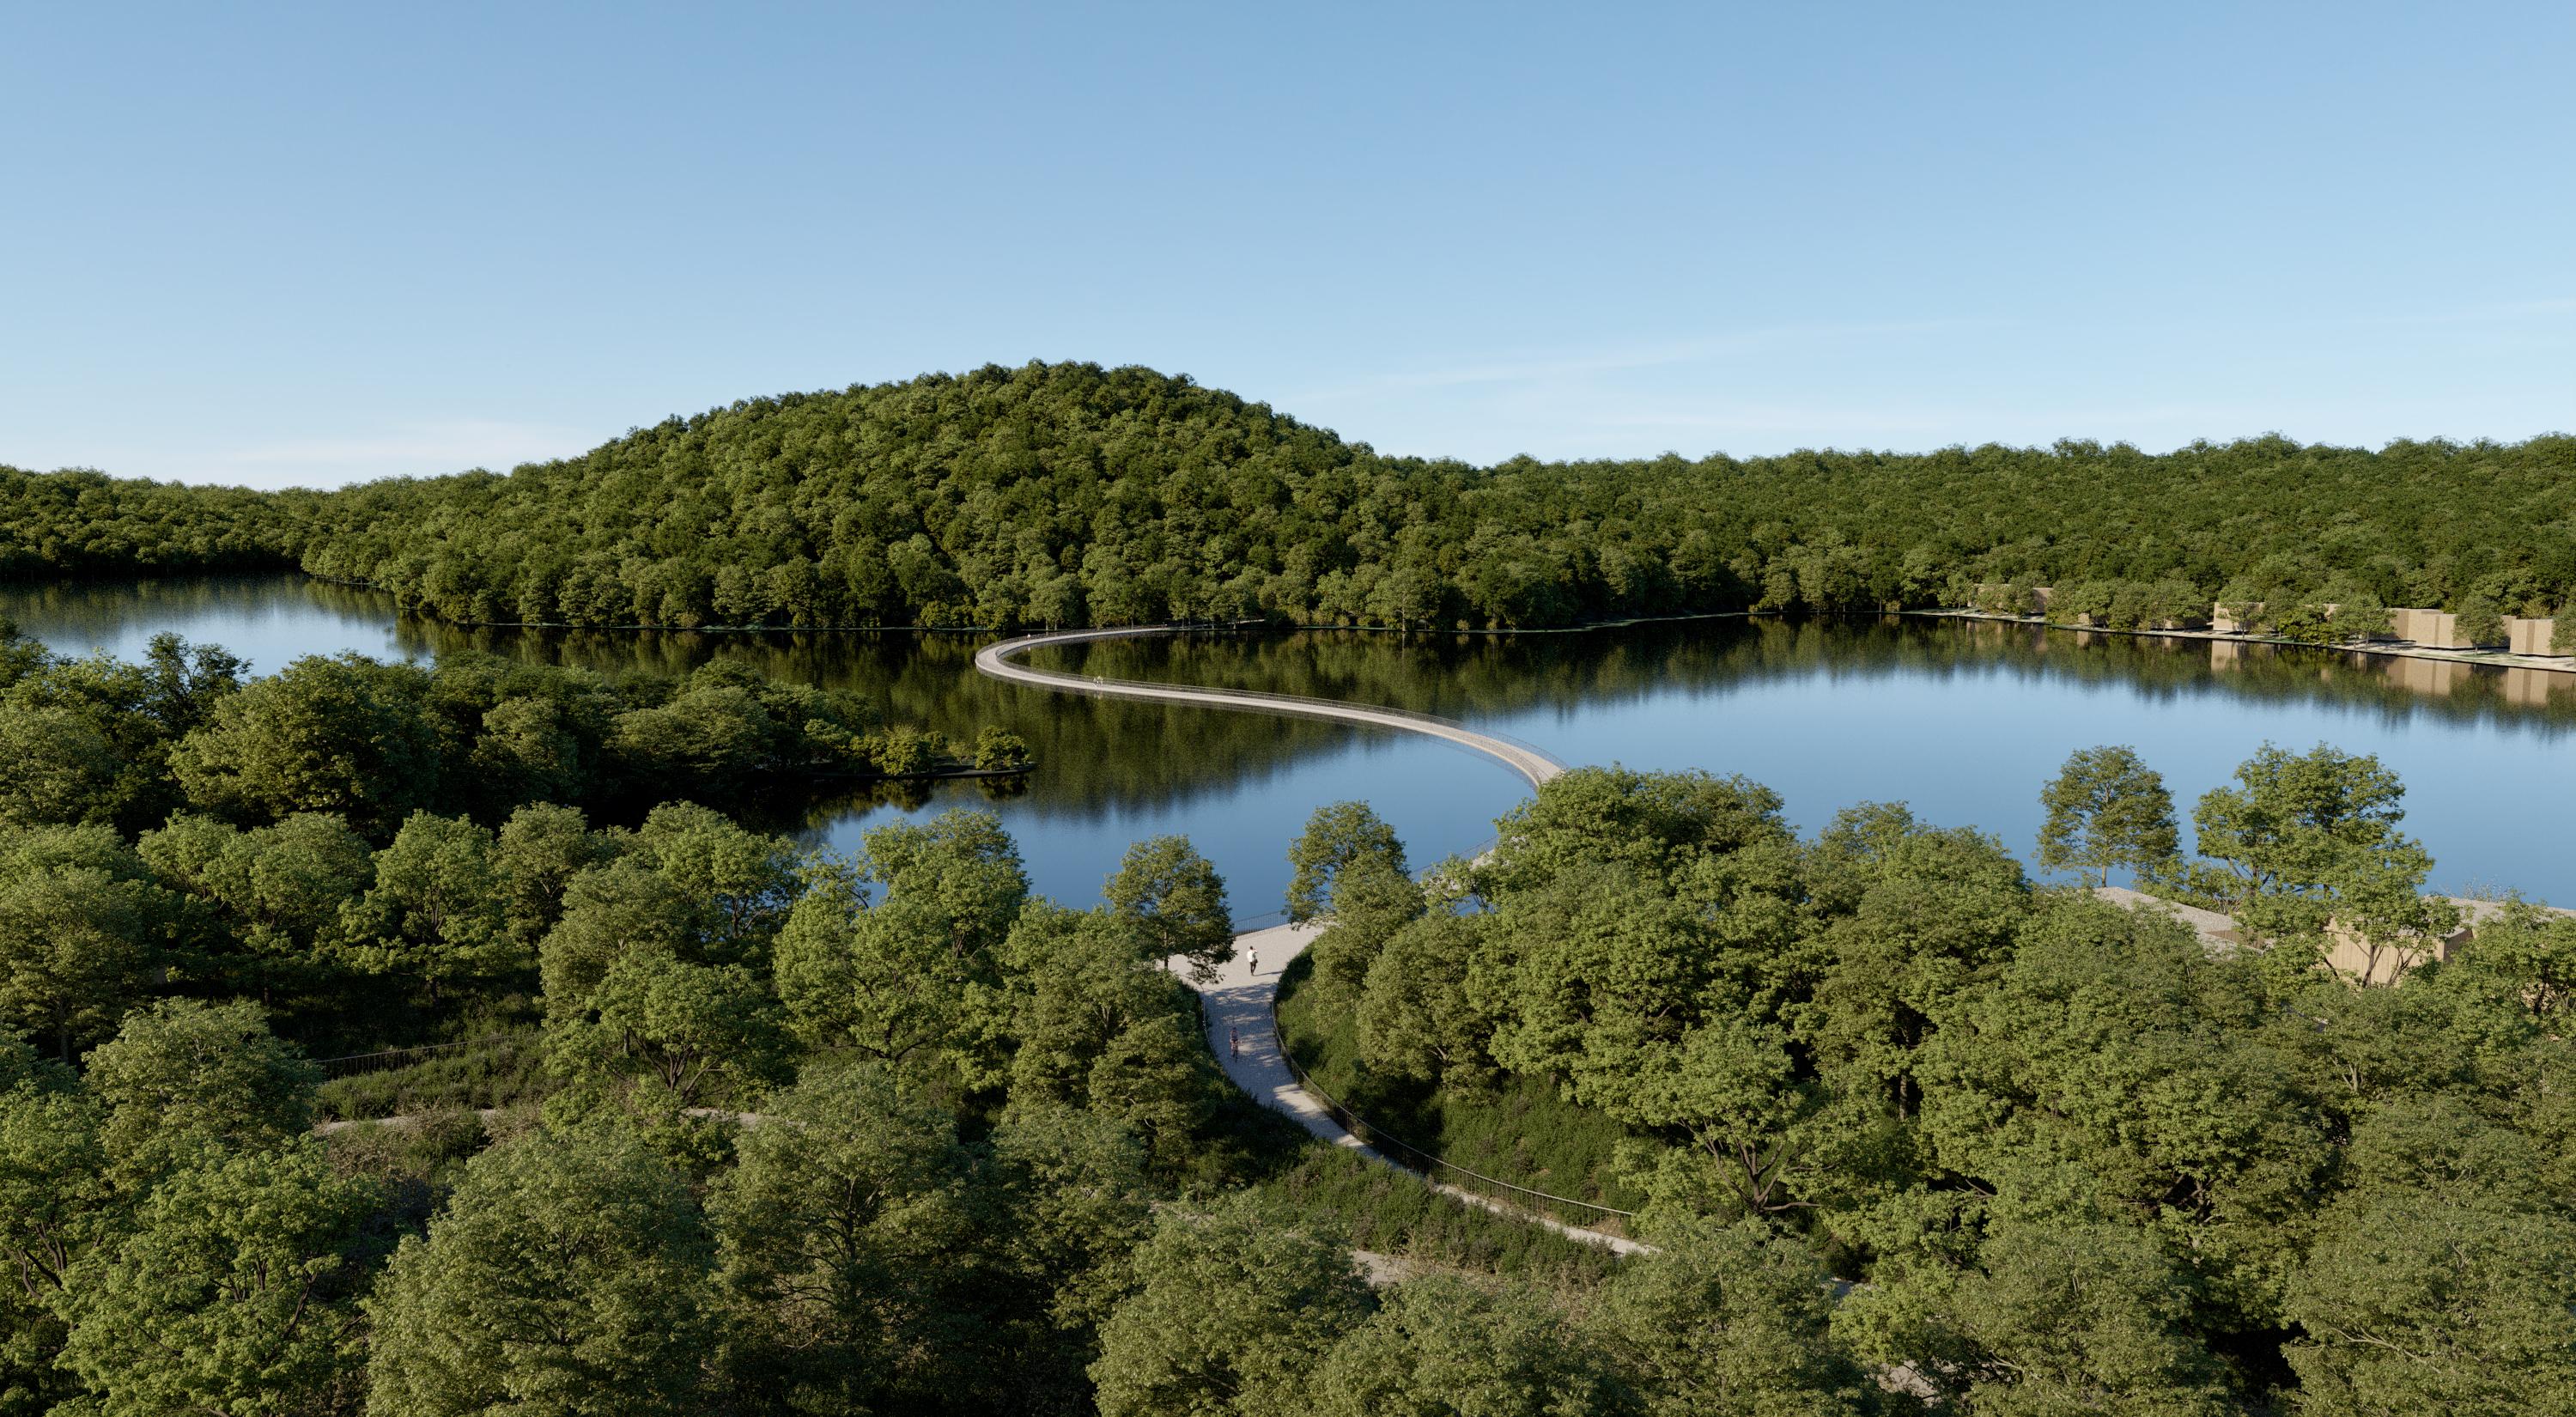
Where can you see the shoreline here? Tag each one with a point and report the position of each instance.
(2398, 649)
(2491, 659)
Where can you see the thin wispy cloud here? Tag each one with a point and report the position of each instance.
(1583, 364)
(423, 449)
(2496, 312)
(1779, 418)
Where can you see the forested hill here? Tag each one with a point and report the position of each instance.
(84, 523)
(1071, 494)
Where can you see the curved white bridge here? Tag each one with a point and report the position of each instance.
(998, 660)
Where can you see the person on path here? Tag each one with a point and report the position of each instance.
(1256, 962)
(1234, 1042)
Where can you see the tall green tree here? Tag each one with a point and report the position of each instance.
(184, 1075)
(81, 929)
(90, 738)
(1174, 899)
(608, 912)
(1234, 1311)
(746, 881)
(1372, 899)
(2422, 1302)
(661, 1041)
(901, 980)
(234, 1290)
(2304, 838)
(1443, 1345)
(569, 1274)
(55, 1204)
(436, 913)
(2536, 951)
(1731, 1090)
(1336, 838)
(1728, 1321)
(1654, 823)
(848, 1236)
(1091, 1024)
(345, 735)
(1416, 1017)
(536, 855)
(279, 889)
(1075, 1182)
(2083, 1318)
(2107, 811)
(2481, 621)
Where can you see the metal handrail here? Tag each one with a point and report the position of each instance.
(327, 1064)
(1374, 1135)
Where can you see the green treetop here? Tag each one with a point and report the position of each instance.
(568, 1275)
(2107, 811)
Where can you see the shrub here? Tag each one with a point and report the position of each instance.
(1387, 1211)
(500, 1071)
(2481, 621)
(903, 752)
(997, 750)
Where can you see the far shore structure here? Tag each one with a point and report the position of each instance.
(2524, 641)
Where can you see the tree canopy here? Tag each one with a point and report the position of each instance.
(1067, 494)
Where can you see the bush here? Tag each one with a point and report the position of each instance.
(2481, 621)
(2304, 622)
(902, 752)
(2086, 601)
(501, 1071)
(423, 1145)
(2006, 599)
(997, 750)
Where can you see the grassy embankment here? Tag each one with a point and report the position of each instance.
(501, 1070)
(1391, 1212)
(1520, 1131)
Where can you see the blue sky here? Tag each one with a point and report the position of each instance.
(275, 244)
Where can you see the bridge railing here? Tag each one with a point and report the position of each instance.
(387, 1059)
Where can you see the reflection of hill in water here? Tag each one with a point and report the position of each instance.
(1489, 676)
(1098, 755)
(1094, 755)
(83, 613)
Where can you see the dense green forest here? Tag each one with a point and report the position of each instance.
(440, 1040)
(82, 523)
(627, 1110)
(2076, 1159)
(1069, 494)
(655, 1113)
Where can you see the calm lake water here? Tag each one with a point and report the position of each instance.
(1964, 721)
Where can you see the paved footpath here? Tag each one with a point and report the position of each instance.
(1237, 1004)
